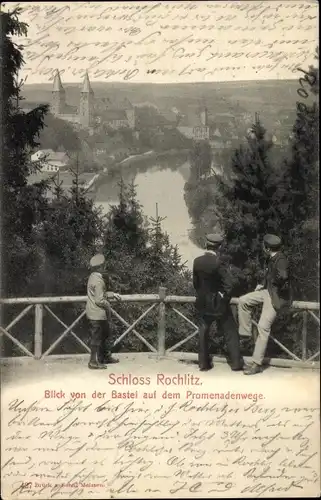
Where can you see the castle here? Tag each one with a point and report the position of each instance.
(91, 110)
(194, 124)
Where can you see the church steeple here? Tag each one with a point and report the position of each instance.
(86, 108)
(86, 87)
(57, 85)
(58, 95)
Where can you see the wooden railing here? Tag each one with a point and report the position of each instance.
(160, 300)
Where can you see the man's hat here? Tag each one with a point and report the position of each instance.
(97, 260)
(272, 241)
(214, 238)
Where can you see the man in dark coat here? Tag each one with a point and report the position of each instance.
(274, 294)
(213, 287)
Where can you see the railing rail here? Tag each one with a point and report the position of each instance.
(162, 300)
(153, 297)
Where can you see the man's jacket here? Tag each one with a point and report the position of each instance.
(212, 284)
(96, 298)
(277, 280)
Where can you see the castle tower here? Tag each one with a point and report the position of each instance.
(58, 99)
(130, 114)
(86, 106)
(203, 116)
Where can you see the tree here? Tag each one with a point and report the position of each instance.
(59, 135)
(245, 207)
(237, 202)
(48, 243)
(198, 190)
(24, 204)
(299, 193)
(147, 117)
(50, 240)
(201, 160)
(69, 237)
(139, 260)
(127, 135)
(169, 139)
(163, 257)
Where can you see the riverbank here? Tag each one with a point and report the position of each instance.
(154, 155)
(159, 186)
(132, 160)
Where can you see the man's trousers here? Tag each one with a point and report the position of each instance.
(100, 341)
(227, 328)
(268, 315)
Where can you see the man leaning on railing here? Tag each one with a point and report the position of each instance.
(97, 308)
(273, 294)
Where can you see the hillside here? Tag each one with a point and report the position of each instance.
(252, 96)
(275, 100)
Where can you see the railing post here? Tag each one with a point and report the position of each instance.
(1, 334)
(161, 322)
(1, 345)
(38, 330)
(304, 335)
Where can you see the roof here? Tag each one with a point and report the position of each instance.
(144, 104)
(70, 110)
(45, 151)
(59, 156)
(170, 115)
(106, 103)
(100, 145)
(224, 118)
(86, 87)
(227, 114)
(114, 114)
(192, 119)
(57, 85)
(49, 154)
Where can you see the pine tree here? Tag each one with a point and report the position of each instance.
(59, 135)
(139, 259)
(23, 204)
(126, 244)
(198, 190)
(298, 192)
(125, 241)
(158, 241)
(200, 160)
(245, 208)
(177, 259)
(70, 235)
(49, 242)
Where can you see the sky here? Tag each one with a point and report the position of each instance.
(166, 42)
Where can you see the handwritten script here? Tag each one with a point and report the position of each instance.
(166, 41)
(109, 448)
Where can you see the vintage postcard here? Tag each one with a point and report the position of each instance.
(159, 250)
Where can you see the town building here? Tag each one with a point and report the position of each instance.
(50, 161)
(194, 125)
(82, 115)
(170, 118)
(116, 113)
(91, 110)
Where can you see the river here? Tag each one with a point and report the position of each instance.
(161, 186)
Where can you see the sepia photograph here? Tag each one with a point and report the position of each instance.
(159, 236)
